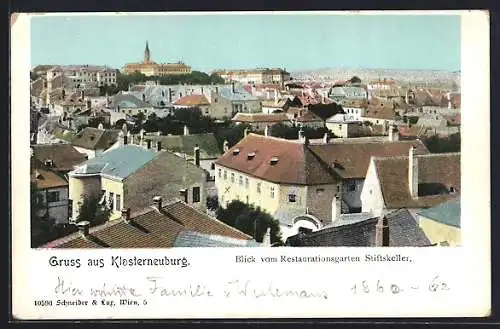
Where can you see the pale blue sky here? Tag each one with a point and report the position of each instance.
(293, 42)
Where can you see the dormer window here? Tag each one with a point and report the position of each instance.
(236, 151)
(452, 189)
(274, 160)
(251, 155)
(49, 163)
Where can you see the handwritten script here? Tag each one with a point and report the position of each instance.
(153, 286)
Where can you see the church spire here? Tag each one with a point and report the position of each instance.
(147, 53)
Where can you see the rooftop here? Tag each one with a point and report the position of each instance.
(294, 162)
(96, 139)
(64, 157)
(447, 213)
(438, 174)
(119, 163)
(150, 228)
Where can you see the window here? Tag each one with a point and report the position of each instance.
(225, 174)
(338, 188)
(53, 196)
(352, 187)
(246, 182)
(111, 199)
(258, 187)
(241, 180)
(320, 191)
(272, 192)
(340, 126)
(118, 203)
(292, 197)
(220, 173)
(206, 111)
(232, 177)
(212, 166)
(196, 194)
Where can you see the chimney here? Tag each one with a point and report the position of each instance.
(148, 144)
(158, 146)
(326, 138)
(266, 131)
(225, 146)
(301, 134)
(125, 139)
(393, 134)
(157, 203)
(186, 130)
(382, 232)
(413, 172)
(170, 95)
(197, 155)
(143, 97)
(126, 215)
(234, 90)
(336, 208)
(245, 132)
(184, 195)
(83, 228)
(83, 95)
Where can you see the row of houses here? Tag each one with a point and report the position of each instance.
(312, 186)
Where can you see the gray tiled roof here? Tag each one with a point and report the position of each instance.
(403, 232)
(195, 239)
(209, 148)
(447, 213)
(120, 162)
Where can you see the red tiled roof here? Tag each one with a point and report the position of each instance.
(309, 117)
(436, 173)
(149, 229)
(296, 163)
(192, 100)
(47, 179)
(260, 117)
(353, 159)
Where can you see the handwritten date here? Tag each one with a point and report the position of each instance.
(379, 286)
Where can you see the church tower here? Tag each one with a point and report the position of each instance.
(147, 54)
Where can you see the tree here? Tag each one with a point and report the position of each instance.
(250, 220)
(93, 211)
(436, 144)
(216, 79)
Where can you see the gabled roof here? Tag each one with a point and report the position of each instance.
(64, 156)
(165, 175)
(309, 116)
(120, 162)
(295, 164)
(209, 147)
(325, 111)
(259, 117)
(353, 158)
(192, 100)
(239, 95)
(44, 178)
(96, 139)
(127, 101)
(280, 103)
(437, 173)
(194, 239)
(383, 113)
(150, 229)
(447, 213)
(403, 232)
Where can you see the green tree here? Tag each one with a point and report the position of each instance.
(436, 144)
(216, 79)
(92, 211)
(250, 220)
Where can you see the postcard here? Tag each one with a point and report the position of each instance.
(250, 165)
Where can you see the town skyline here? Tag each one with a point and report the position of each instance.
(366, 41)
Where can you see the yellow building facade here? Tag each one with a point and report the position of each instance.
(438, 233)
